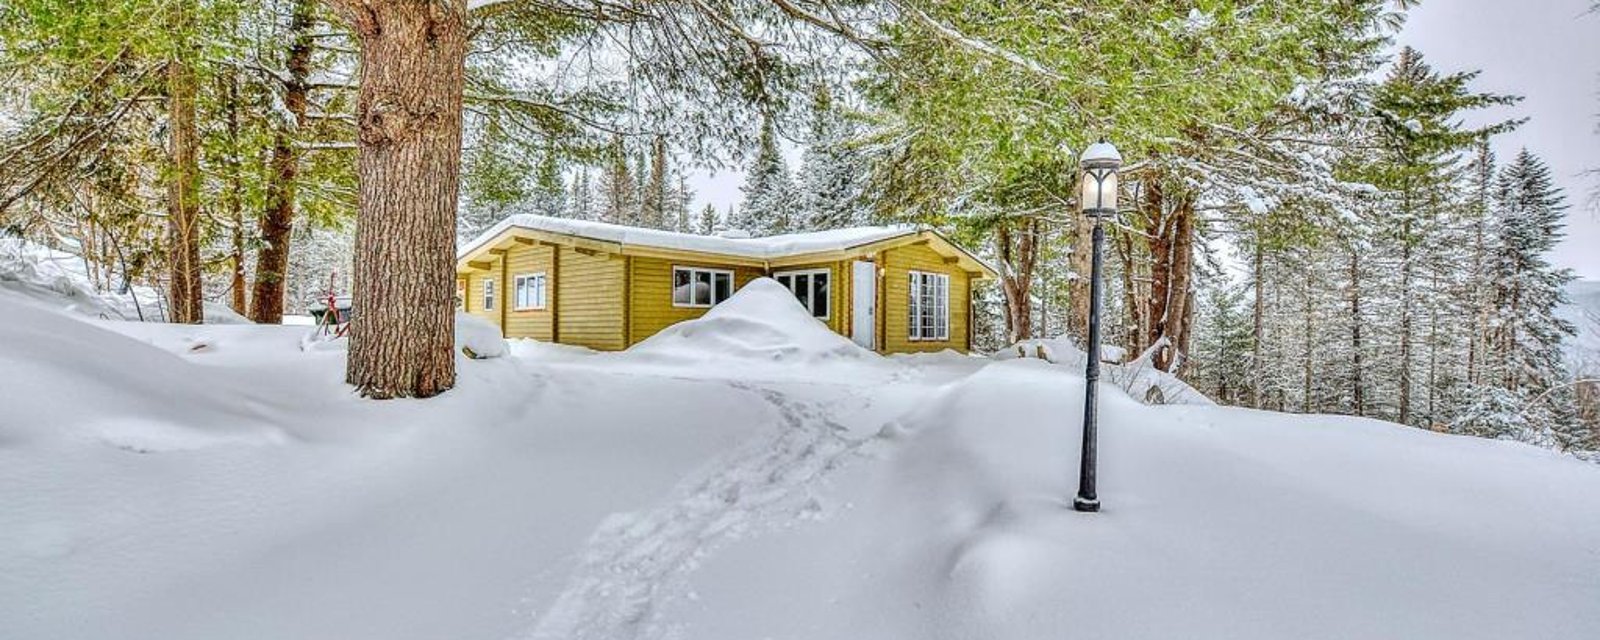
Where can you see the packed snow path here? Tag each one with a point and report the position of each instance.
(638, 562)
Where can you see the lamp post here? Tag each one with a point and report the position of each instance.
(1097, 197)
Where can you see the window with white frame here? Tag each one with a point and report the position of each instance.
(528, 292)
(488, 294)
(811, 286)
(697, 287)
(929, 315)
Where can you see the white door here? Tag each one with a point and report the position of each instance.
(864, 302)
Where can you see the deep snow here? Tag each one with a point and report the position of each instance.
(747, 475)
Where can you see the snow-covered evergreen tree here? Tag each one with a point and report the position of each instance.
(706, 223)
(1525, 333)
(769, 206)
(619, 190)
(833, 174)
(549, 194)
(581, 204)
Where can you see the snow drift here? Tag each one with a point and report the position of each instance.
(1138, 378)
(1217, 523)
(58, 280)
(66, 378)
(761, 321)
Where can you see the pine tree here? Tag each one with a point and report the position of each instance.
(581, 204)
(769, 202)
(832, 173)
(549, 193)
(1221, 362)
(653, 208)
(1526, 334)
(706, 224)
(618, 190)
(1421, 141)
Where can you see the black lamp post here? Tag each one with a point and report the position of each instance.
(1097, 197)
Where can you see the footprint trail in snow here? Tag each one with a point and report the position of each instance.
(636, 563)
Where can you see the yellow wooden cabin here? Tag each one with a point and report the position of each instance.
(895, 289)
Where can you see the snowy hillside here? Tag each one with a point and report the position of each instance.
(742, 476)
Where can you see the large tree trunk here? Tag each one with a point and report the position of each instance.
(1018, 251)
(183, 192)
(408, 113)
(277, 221)
(1169, 228)
(1080, 262)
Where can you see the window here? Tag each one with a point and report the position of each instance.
(488, 294)
(528, 292)
(811, 287)
(929, 317)
(694, 287)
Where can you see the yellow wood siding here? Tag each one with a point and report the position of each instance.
(650, 303)
(474, 299)
(589, 300)
(898, 263)
(529, 260)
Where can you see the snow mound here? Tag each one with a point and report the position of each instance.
(1216, 523)
(65, 378)
(59, 281)
(1138, 378)
(478, 338)
(762, 321)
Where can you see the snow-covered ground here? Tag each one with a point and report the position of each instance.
(747, 475)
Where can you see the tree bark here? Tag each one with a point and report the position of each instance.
(1257, 314)
(1169, 224)
(185, 305)
(277, 221)
(233, 200)
(1018, 250)
(1080, 262)
(1406, 347)
(1357, 384)
(408, 114)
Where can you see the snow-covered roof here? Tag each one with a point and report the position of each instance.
(767, 248)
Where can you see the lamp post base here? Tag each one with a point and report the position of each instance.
(1086, 505)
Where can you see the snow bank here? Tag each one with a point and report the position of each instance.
(67, 379)
(58, 280)
(1138, 378)
(1216, 523)
(762, 321)
(478, 338)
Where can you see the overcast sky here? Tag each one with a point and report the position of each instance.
(1545, 50)
(1549, 52)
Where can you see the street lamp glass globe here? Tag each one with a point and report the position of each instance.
(1099, 191)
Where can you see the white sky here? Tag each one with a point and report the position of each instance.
(1549, 52)
(1545, 50)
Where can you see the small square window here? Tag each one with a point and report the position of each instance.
(528, 291)
(695, 287)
